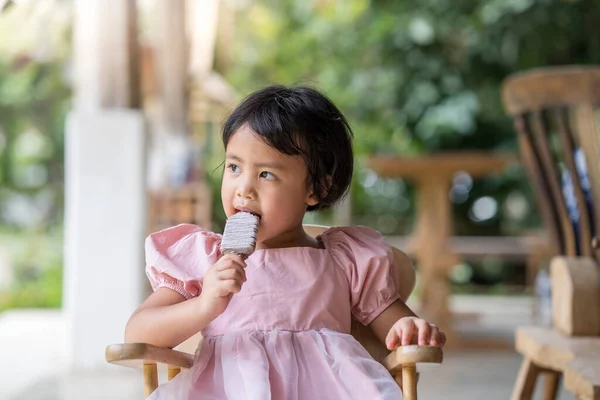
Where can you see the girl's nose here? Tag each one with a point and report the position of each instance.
(245, 190)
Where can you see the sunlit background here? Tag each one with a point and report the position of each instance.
(414, 78)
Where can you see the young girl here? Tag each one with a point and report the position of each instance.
(277, 325)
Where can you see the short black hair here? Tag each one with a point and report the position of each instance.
(301, 121)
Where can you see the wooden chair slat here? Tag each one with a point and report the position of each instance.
(536, 176)
(560, 117)
(587, 129)
(150, 378)
(172, 372)
(551, 175)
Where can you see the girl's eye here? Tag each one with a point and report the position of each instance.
(233, 168)
(267, 175)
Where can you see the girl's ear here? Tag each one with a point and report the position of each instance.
(311, 200)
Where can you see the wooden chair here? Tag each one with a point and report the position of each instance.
(190, 203)
(554, 115)
(401, 362)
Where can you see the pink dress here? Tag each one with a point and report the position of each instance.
(286, 334)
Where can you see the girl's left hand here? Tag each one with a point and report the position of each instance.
(413, 330)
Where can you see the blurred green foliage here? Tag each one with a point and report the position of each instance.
(34, 99)
(37, 280)
(35, 95)
(43, 292)
(418, 77)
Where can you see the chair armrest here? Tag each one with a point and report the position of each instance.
(411, 355)
(135, 355)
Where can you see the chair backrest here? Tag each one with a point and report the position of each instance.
(361, 333)
(554, 113)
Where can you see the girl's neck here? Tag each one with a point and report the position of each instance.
(296, 237)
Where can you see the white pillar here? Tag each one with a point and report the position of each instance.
(105, 54)
(104, 229)
(104, 178)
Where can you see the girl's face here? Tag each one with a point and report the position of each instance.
(260, 179)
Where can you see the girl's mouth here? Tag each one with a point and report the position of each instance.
(248, 210)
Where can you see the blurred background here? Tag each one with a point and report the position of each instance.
(416, 80)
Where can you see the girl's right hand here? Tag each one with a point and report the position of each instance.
(220, 283)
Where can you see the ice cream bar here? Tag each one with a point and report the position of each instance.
(240, 233)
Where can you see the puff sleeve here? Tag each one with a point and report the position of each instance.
(178, 257)
(367, 261)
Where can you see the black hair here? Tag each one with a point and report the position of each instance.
(301, 121)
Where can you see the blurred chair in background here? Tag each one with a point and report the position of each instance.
(555, 116)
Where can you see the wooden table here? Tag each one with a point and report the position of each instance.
(432, 175)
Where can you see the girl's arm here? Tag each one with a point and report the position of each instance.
(398, 325)
(166, 319)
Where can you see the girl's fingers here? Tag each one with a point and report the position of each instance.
(235, 272)
(434, 336)
(231, 286)
(407, 333)
(229, 260)
(424, 332)
(392, 339)
(442, 339)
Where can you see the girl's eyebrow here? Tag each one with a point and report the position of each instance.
(270, 165)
